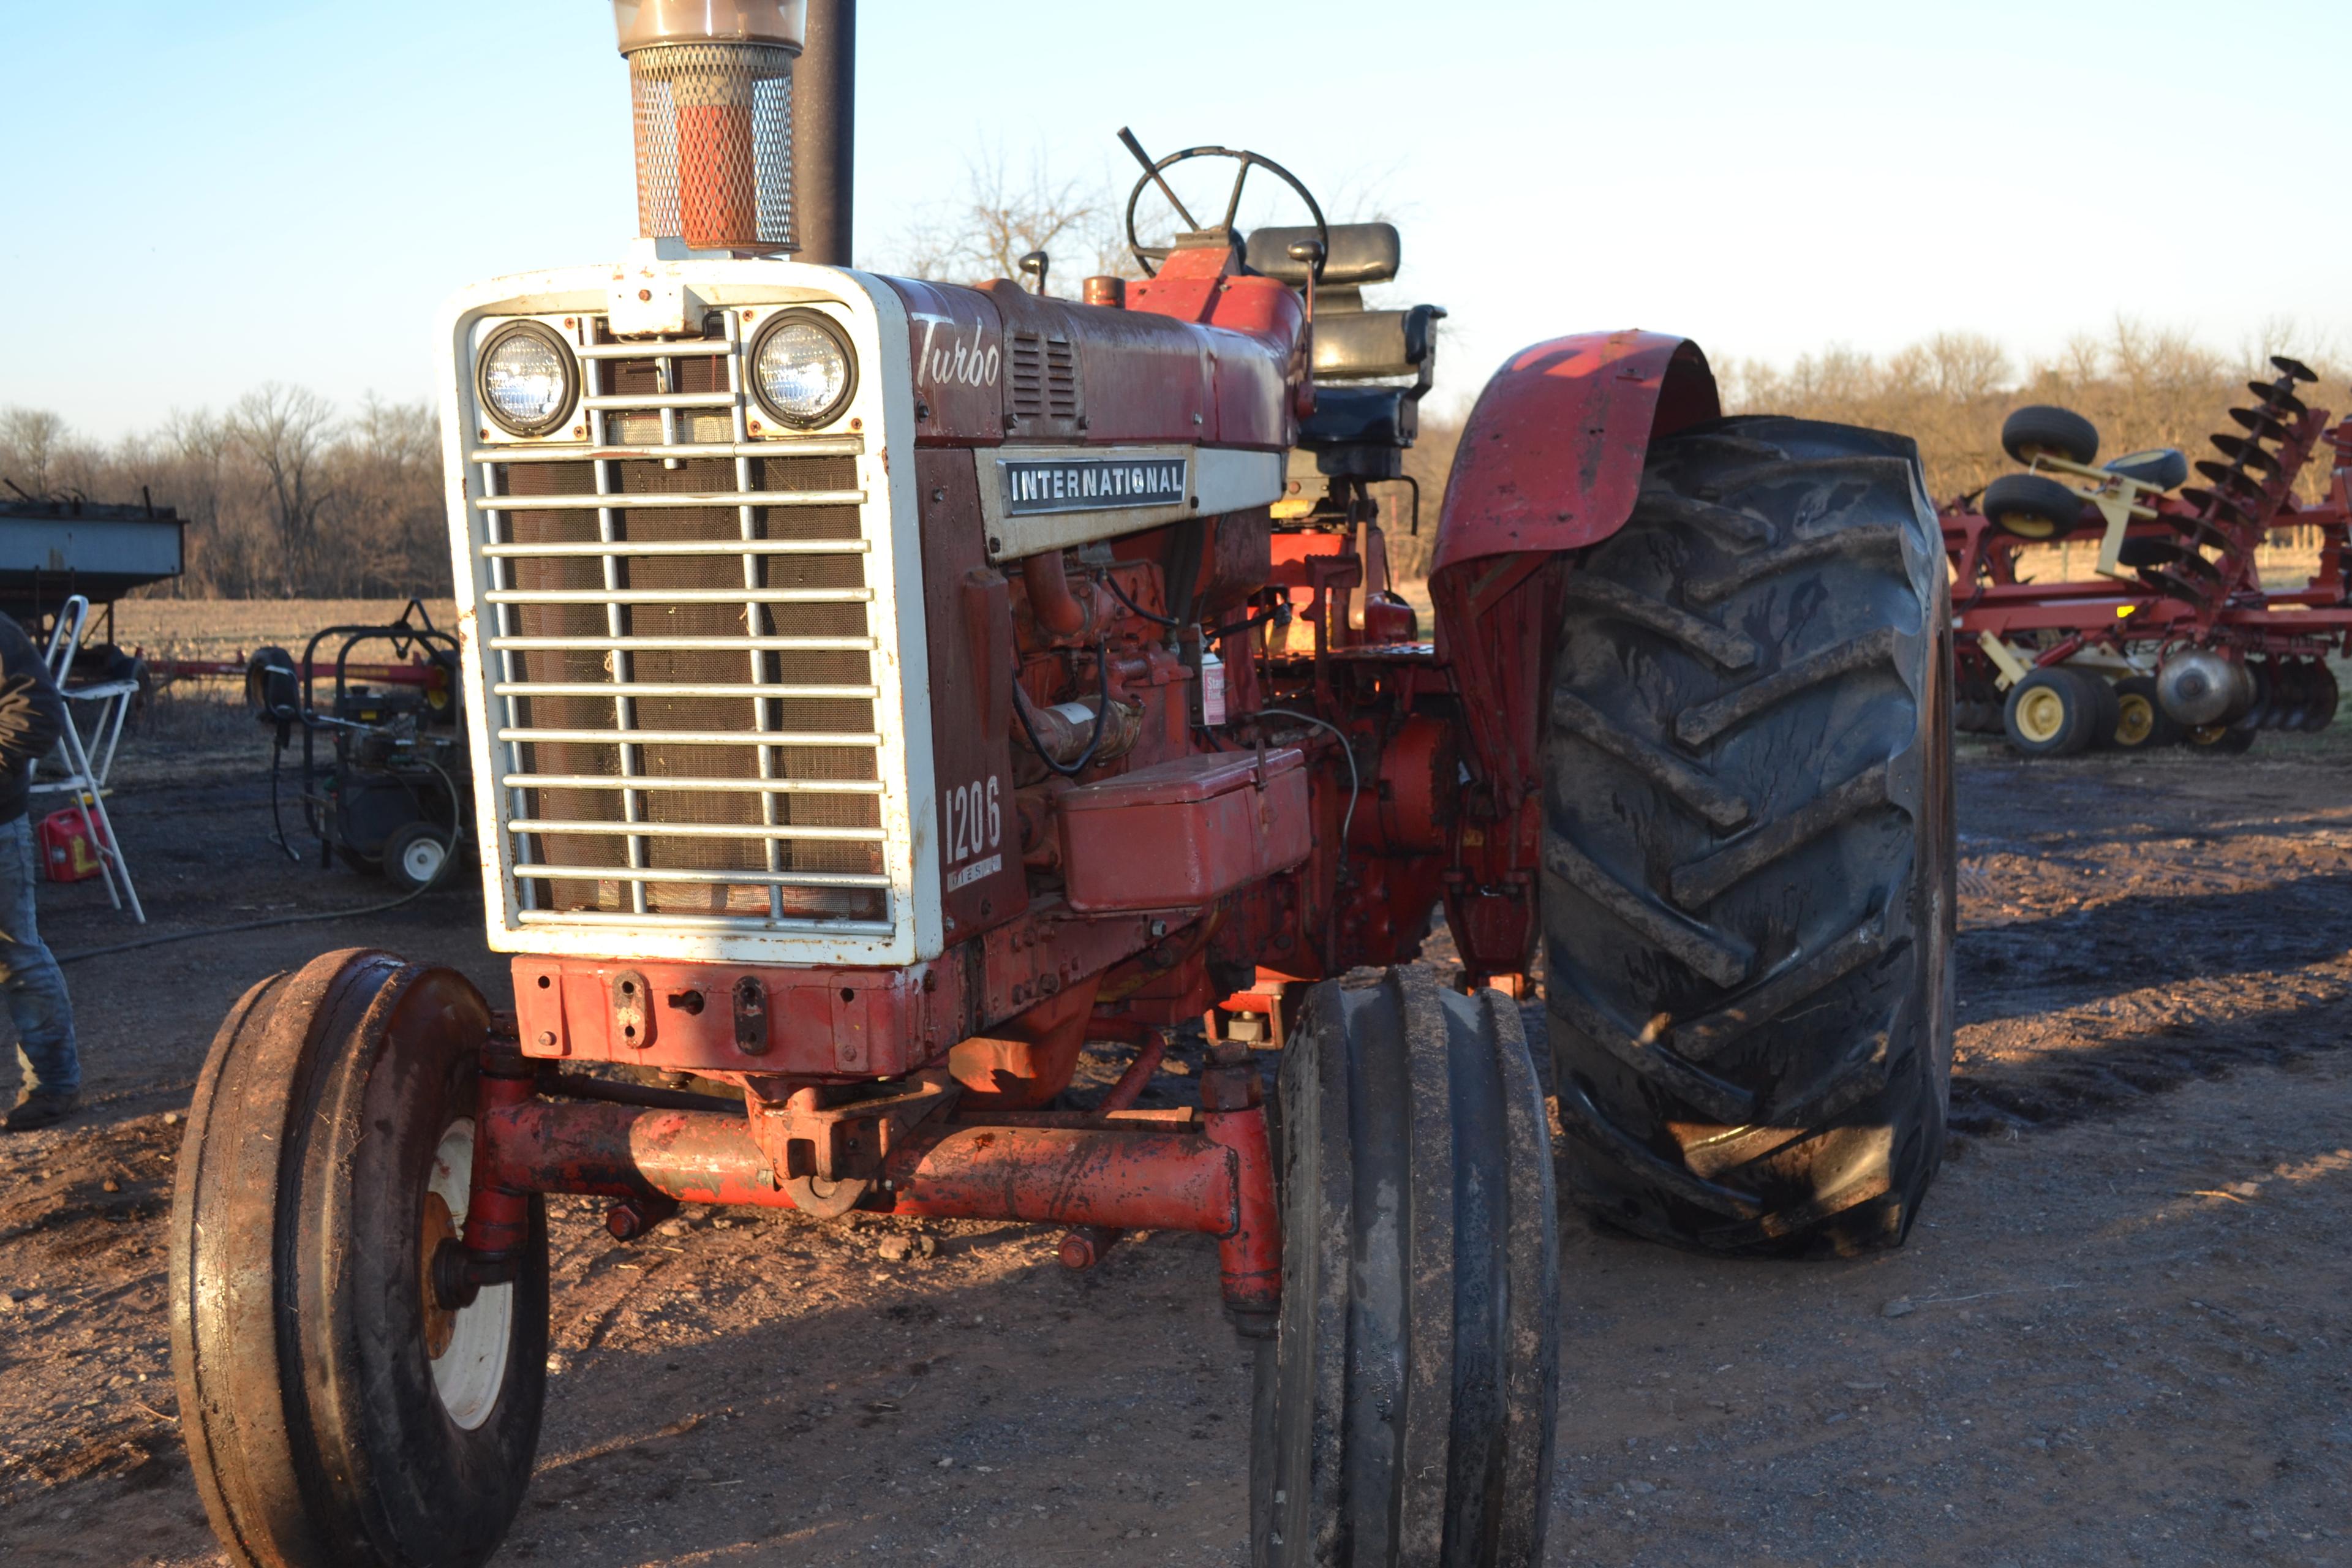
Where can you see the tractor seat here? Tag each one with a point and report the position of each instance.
(1372, 345)
(1346, 416)
(1359, 254)
(1371, 367)
(1369, 346)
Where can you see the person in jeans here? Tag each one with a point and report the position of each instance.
(32, 717)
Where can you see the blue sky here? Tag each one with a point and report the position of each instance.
(201, 198)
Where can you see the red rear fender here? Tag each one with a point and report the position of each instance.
(1551, 459)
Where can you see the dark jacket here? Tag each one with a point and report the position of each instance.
(32, 716)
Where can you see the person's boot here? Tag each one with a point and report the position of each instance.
(42, 1107)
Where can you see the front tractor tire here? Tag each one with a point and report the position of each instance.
(337, 1413)
(1747, 890)
(1404, 1413)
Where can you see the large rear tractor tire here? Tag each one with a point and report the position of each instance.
(1748, 893)
(337, 1413)
(1404, 1414)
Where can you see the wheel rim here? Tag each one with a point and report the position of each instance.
(2135, 720)
(2025, 525)
(2041, 715)
(423, 859)
(471, 1366)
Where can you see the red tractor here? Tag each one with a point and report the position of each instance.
(881, 689)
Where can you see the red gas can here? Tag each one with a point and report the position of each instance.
(68, 850)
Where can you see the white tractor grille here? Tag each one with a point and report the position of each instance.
(681, 660)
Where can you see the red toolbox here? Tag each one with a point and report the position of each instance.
(1181, 833)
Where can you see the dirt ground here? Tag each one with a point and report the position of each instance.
(2118, 1335)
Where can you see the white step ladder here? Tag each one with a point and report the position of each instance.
(110, 702)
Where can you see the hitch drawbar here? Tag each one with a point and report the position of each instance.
(1211, 1170)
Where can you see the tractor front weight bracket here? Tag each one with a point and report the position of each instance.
(1209, 1170)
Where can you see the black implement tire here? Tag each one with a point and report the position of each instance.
(2107, 708)
(330, 1135)
(1405, 1413)
(2165, 467)
(2056, 712)
(2218, 739)
(2040, 428)
(2032, 506)
(2141, 723)
(1747, 891)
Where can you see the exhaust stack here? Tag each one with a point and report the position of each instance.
(712, 85)
(824, 133)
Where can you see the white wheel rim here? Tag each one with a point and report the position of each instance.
(421, 860)
(469, 1373)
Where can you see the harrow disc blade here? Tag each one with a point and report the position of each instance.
(2233, 487)
(2321, 713)
(2295, 368)
(2243, 451)
(2262, 425)
(2277, 398)
(2165, 580)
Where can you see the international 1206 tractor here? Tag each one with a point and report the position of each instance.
(878, 690)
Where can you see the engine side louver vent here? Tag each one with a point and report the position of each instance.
(1028, 375)
(1061, 379)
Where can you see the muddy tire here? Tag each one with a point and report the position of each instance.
(1747, 890)
(335, 1416)
(1404, 1414)
(2141, 722)
(2056, 713)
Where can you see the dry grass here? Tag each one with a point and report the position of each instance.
(202, 726)
(231, 628)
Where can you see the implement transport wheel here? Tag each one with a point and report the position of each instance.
(2043, 429)
(2031, 506)
(1748, 893)
(2141, 722)
(1404, 1414)
(337, 1413)
(2057, 713)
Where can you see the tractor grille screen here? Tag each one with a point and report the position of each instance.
(682, 661)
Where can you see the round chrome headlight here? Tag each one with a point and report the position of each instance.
(802, 369)
(527, 379)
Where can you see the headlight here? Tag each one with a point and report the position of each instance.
(526, 379)
(801, 368)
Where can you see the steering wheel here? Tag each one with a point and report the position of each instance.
(1148, 255)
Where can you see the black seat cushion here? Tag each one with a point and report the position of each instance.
(1362, 417)
(1361, 344)
(1359, 253)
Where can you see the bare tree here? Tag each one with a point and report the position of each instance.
(283, 431)
(32, 440)
(1002, 218)
(386, 512)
